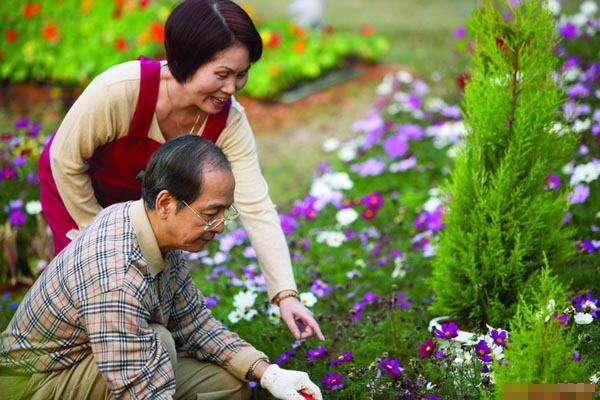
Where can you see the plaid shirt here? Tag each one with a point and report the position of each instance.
(99, 296)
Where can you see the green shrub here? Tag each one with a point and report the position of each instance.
(499, 219)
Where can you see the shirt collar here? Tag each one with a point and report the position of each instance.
(145, 236)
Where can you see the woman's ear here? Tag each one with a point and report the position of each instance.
(165, 204)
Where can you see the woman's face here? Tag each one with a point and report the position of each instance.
(214, 82)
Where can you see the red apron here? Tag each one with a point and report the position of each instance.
(116, 168)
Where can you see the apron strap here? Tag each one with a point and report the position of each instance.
(146, 103)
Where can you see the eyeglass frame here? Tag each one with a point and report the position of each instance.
(215, 222)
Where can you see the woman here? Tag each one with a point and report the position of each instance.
(98, 154)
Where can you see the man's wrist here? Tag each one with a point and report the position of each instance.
(257, 369)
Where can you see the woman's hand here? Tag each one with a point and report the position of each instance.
(292, 310)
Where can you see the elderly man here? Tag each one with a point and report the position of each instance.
(116, 314)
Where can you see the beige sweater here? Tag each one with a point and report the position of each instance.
(103, 113)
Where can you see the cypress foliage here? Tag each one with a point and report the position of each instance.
(499, 219)
(541, 348)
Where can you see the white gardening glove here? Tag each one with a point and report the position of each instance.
(285, 384)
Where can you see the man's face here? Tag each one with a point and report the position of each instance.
(186, 231)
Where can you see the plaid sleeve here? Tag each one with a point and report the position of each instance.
(128, 352)
(196, 330)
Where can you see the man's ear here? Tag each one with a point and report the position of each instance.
(165, 204)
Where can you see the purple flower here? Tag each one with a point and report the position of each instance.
(551, 182)
(344, 357)
(21, 123)
(580, 194)
(391, 366)
(585, 245)
(288, 224)
(313, 354)
(483, 351)
(7, 172)
(320, 288)
(373, 200)
(576, 356)
(211, 300)
(448, 331)
(333, 381)
(371, 167)
(401, 301)
(499, 337)
(427, 348)
(411, 131)
(569, 30)
(35, 129)
(395, 146)
(283, 357)
(17, 217)
(460, 32)
(369, 297)
(562, 318)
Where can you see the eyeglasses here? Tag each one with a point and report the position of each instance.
(229, 215)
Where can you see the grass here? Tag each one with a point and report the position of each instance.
(421, 37)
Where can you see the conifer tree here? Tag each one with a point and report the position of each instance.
(499, 219)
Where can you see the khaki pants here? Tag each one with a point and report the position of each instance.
(195, 381)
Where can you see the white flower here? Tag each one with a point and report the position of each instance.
(554, 6)
(347, 153)
(595, 378)
(583, 318)
(331, 238)
(244, 300)
(581, 125)
(588, 8)
(404, 76)
(33, 207)
(585, 173)
(346, 216)
(331, 144)
(308, 299)
(250, 314)
(463, 358)
(235, 316)
(273, 314)
(432, 204)
(386, 86)
(589, 306)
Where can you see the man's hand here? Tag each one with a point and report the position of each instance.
(287, 384)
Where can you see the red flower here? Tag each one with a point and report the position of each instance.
(121, 44)
(158, 31)
(367, 30)
(11, 35)
(369, 213)
(50, 32)
(299, 46)
(32, 9)
(298, 31)
(275, 39)
(144, 4)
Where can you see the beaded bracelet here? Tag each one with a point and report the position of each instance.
(279, 297)
(250, 374)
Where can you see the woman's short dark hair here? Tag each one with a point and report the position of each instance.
(178, 166)
(198, 29)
